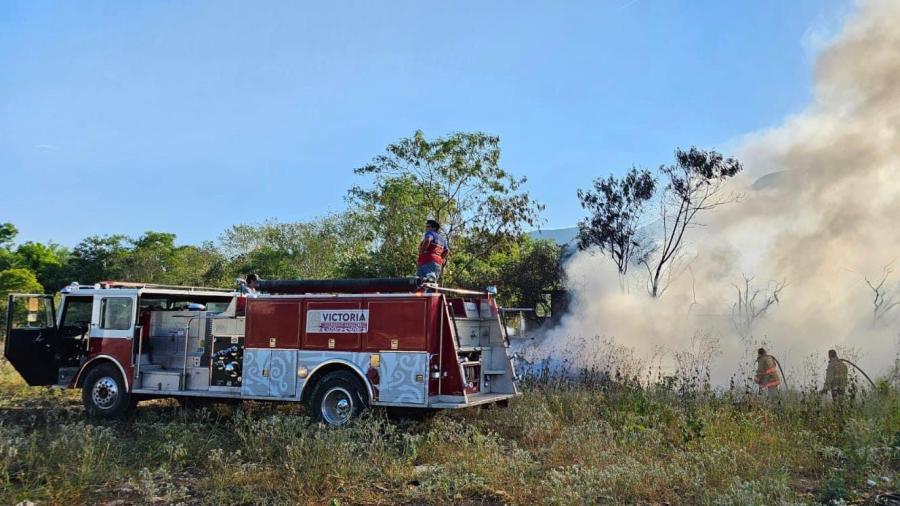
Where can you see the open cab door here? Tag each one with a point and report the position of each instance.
(31, 338)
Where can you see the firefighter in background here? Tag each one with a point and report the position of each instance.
(835, 377)
(766, 373)
(433, 251)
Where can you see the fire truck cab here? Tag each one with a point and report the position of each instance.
(337, 345)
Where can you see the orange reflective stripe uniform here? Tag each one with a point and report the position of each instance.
(773, 372)
(767, 372)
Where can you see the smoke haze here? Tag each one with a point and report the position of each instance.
(821, 200)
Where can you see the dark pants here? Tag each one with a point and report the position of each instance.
(837, 395)
(430, 268)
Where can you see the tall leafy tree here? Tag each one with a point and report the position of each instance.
(46, 261)
(694, 184)
(457, 180)
(202, 265)
(150, 258)
(616, 209)
(392, 217)
(97, 258)
(8, 233)
(18, 280)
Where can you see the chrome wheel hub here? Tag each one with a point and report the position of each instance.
(105, 392)
(337, 406)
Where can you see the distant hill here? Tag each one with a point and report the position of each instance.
(561, 236)
(771, 180)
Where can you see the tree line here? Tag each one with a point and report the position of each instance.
(457, 179)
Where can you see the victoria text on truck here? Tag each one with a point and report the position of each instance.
(336, 345)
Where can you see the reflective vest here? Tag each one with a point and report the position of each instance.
(766, 372)
(434, 252)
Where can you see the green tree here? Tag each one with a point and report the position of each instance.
(200, 265)
(694, 184)
(15, 281)
(457, 180)
(393, 219)
(18, 281)
(8, 233)
(155, 258)
(320, 248)
(150, 258)
(47, 261)
(616, 208)
(538, 267)
(521, 272)
(97, 258)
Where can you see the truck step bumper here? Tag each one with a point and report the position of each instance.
(472, 400)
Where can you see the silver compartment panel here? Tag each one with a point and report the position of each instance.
(473, 331)
(160, 380)
(269, 373)
(403, 377)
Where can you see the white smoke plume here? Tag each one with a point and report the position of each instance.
(820, 209)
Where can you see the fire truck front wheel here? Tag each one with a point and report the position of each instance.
(104, 393)
(337, 398)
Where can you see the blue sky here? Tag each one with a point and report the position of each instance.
(188, 117)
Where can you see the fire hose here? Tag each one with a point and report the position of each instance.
(783, 377)
(860, 370)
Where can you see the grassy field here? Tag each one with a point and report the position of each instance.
(587, 442)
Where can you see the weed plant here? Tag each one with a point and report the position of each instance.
(599, 436)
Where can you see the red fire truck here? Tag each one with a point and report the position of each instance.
(337, 345)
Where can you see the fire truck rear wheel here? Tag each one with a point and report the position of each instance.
(105, 395)
(337, 398)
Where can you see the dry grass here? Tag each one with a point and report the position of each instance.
(570, 443)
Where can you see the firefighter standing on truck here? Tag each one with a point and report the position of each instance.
(835, 377)
(766, 373)
(433, 251)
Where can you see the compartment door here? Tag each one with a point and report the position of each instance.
(397, 325)
(403, 377)
(283, 373)
(269, 373)
(32, 338)
(255, 381)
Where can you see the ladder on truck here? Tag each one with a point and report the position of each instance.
(470, 339)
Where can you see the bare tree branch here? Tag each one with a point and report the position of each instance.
(694, 185)
(883, 299)
(749, 307)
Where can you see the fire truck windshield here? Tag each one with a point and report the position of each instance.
(76, 315)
